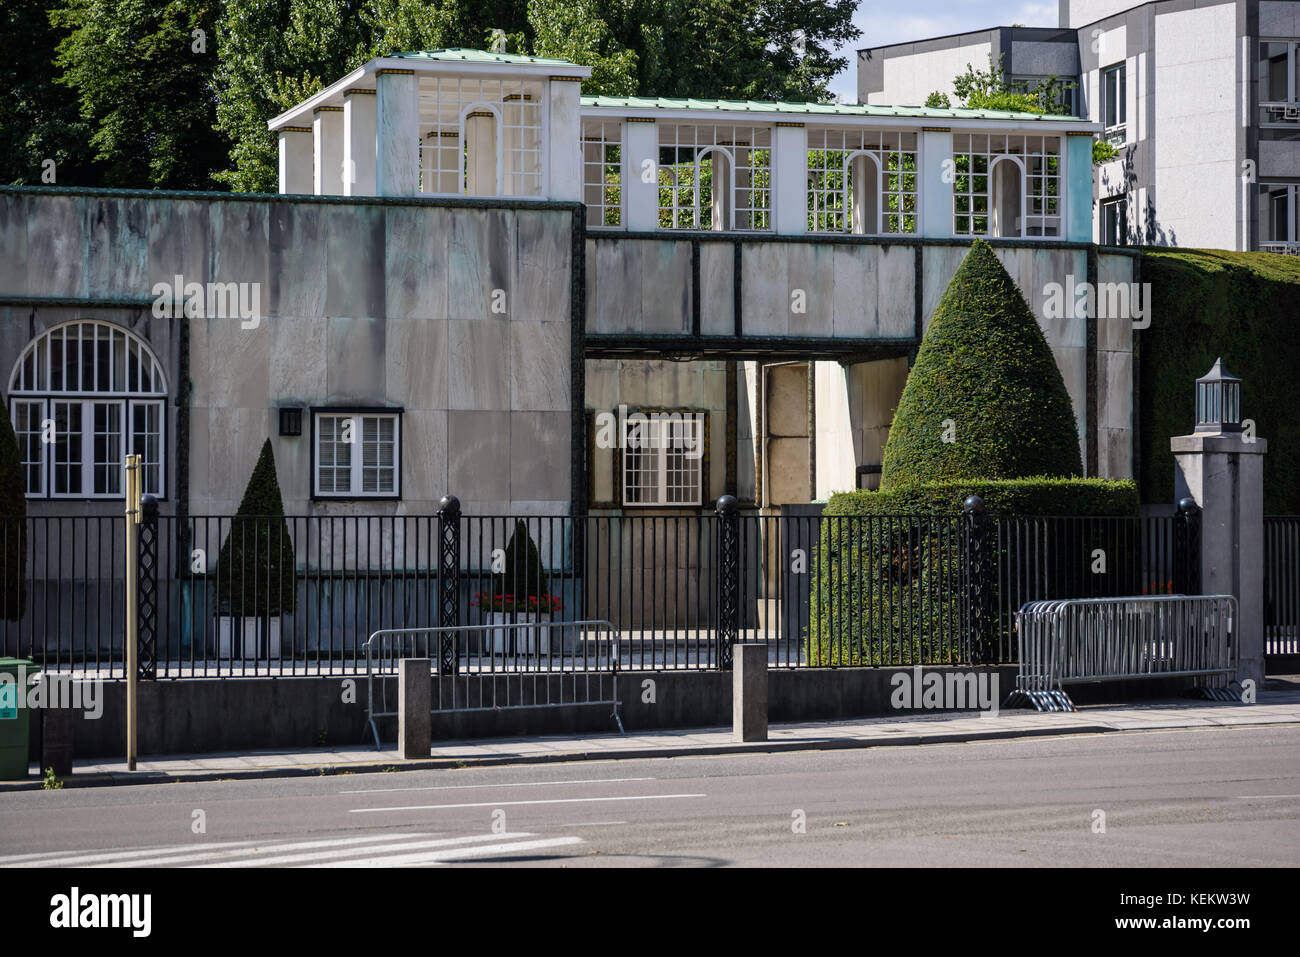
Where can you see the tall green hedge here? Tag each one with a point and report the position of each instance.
(1244, 307)
(13, 522)
(984, 397)
(256, 567)
(889, 574)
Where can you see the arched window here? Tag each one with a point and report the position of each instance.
(82, 396)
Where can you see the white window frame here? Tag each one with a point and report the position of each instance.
(1115, 127)
(1119, 203)
(38, 384)
(602, 157)
(356, 461)
(748, 152)
(1042, 193)
(653, 423)
(1283, 114)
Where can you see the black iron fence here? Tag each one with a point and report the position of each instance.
(1282, 585)
(223, 596)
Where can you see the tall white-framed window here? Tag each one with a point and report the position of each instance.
(1114, 221)
(602, 172)
(715, 177)
(1279, 217)
(481, 136)
(83, 396)
(356, 453)
(1007, 185)
(1279, 83)
(663, 459)
(1114, 100)
(862, 181)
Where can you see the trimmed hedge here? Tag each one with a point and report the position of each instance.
(1023, 496)
(1246, 308)
(256, 565)
(985, 366)
(13, 522)
(889, 578)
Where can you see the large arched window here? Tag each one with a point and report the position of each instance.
(82, 397)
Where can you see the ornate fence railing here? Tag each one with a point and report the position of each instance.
(296, 596)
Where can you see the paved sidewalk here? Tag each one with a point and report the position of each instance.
(1274, 707)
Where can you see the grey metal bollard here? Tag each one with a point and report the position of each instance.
(58, 724)
(414, 700)
(749, 693)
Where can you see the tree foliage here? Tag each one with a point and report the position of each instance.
(256, 575)
(985, 398)
(142, 79)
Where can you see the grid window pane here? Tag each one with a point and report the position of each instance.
(663, 459)
(357, 455)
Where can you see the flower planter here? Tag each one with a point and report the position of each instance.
(240, 638)
(518, 641)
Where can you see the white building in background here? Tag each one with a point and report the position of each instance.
(1202, 97)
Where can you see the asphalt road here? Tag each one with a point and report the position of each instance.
(1210, 797)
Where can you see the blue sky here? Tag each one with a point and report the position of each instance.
(899, 21)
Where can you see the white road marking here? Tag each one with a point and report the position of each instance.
(1263, 797)
(297, 858)
(519, 784)
(62, 858)
(453, 854)
(586, 800)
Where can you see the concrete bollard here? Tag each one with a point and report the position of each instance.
(749, 693)
(58, 724)
(414, 700)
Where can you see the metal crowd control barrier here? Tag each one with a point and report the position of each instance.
(1086, 640)
(495, 667)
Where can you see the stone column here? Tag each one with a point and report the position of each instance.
(360, 143)
(790, 179)
(296, 160)
(414, 699)
(397, 118)
(327, 130)
(935, 184)
(749, 693)
(641, 143)
(565, 131)
(1224, 474)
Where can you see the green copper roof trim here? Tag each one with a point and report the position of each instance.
(816, 109)
(466, 55)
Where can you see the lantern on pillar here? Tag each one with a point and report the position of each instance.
(1218, 400)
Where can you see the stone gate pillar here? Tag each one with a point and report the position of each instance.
(1221, 467)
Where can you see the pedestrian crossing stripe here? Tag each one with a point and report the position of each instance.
(388, 849)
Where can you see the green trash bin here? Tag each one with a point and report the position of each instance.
(15, 717)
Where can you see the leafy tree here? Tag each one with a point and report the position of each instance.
(985, 398)
(13, 523)
(938, 101)
(990, 90)
(39, 119)
(273, 54)
(142, 78)
(256, 564)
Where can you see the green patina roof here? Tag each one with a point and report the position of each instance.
(466, 55)
(817, 109)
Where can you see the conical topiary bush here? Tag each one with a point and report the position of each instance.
(522, 584)
(256, 566)
(13, 523)
(985, 398)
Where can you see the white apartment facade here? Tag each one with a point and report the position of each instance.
(1202, 98)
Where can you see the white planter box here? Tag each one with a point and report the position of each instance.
(519, 641)
(247, 638)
